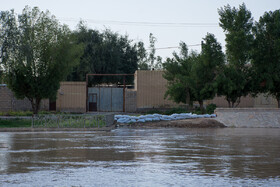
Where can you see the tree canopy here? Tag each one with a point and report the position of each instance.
(237, 24)
(104, 53)
(266, 54)
(193, 77)
(36, 53)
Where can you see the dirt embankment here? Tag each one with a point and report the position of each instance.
(186, 123)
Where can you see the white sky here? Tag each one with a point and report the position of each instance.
(97, 13)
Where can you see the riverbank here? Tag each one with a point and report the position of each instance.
(186, 123)
(249, 117)
(28, 129)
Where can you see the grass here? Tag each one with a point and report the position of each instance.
(17, 123)
(10, 123)
(196, 110)
(29, 113)
(71, 123)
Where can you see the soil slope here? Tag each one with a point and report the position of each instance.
(186, 123)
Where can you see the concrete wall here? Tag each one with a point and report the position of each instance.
(245, 102)
(249, 117)
(151, 87)
(6, 96)
(8, 102)
(71, 97)
(130, 100)
(263, 101)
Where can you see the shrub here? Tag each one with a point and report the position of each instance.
(210, 108)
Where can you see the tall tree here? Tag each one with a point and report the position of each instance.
(205, 70)
(193, 77)
(104, 53)
(36, 54)
(154, 62)
(142, 56)
(177, 73)
(237, 24)
(266, 54)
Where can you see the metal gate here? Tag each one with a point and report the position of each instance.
(108, 99)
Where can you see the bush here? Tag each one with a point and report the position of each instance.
(176, 110)
(210, 108)
(16, 113)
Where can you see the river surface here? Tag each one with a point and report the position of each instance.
(142, 157)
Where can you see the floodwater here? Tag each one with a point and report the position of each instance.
(142, 157)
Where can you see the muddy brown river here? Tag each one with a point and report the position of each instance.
(142, 157)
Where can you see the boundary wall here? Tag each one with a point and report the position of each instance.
(8, 101)
(71, 97)
(249, 117)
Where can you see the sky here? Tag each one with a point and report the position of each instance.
(169, 21)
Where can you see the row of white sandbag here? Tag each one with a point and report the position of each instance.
(159, 117)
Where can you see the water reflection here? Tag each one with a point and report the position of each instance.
(146, 156)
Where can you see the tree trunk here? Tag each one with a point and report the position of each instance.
(188, 99)
(278, 101)
(35, 103)
(201, 106)
(229, 103)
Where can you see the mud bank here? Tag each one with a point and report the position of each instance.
(186, 123)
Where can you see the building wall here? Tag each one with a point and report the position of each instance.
(6, 96)
(263, 101)
(130, 100)
(245, 102)
(8, 102)
(71, 97)
(249, 117)
(151, 87)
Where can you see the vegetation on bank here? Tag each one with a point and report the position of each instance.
(17, 122)
(250, 64)
(34, 60)
(51, 120)
(196, 110)
(25, 113)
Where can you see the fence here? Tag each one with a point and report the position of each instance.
(70, 121)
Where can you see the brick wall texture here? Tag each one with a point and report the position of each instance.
(8, 102)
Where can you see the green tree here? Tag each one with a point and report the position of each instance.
(142, 56)
(237, 24)
(266, 54)
(154, 62)
(177, 73)
(193, 77)
(230, 83)
(205, 70)
(1, 75)
(36, 54)
(104, 53)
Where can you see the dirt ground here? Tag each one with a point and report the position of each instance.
(186, 123)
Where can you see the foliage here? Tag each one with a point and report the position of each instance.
(69, 121)
(237, 24)
(206, 69)
(177, 75)
(154, 62)
(142, 57)
(9, 123)
(16, 113)
(36, 53)
(210, 108)
(193, 77)
(1, 75)
(169, 111)
(266, 55)
(105, 53)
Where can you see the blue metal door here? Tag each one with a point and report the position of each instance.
(109, 99)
